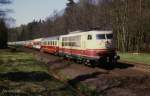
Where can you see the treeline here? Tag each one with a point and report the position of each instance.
(129, 20)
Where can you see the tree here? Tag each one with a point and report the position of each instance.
(70, 15)
(3, 27)
(3, 34)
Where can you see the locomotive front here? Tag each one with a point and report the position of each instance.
(102, 46)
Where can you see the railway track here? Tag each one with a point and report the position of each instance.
(123, 78)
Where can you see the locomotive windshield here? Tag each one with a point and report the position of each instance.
(104, 36)
(109, 36)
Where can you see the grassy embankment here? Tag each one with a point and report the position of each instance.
(19, 61)
(22, 75)
(143, 58)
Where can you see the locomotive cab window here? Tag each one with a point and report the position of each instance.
(109, 36)
(104, 36)
(89, 37)
(100, 36)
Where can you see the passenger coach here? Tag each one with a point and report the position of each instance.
(50, 45)
(37, 43)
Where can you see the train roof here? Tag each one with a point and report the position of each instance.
(99, 32)
(91, 31)
(51, 38)
(87, 32)
(38, 39)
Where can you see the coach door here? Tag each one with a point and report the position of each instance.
(83, 44)
(61, 44)
(89, 43)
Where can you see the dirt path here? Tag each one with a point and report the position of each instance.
(123, 79)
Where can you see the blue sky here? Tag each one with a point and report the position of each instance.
(26, 11)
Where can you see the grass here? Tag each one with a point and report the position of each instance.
(22, 75)
(133, 57)
(19, 61)
(89, 91)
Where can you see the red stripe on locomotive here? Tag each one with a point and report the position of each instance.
(87, 52)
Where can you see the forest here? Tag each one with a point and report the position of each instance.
(128, 19)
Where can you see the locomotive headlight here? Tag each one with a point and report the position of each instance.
(100, 43)
(108, 44)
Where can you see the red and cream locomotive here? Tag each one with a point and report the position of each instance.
(89, 46)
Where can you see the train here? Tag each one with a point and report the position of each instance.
(88, 47)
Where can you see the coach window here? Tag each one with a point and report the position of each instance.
(55, 42)
(52, 43)
(62, 43)
(89, 37)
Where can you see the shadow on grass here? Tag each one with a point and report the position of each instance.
(55, 61)
(33, 84)
(84, 77)
(115, 66)
(25, 76)
(14, 49)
